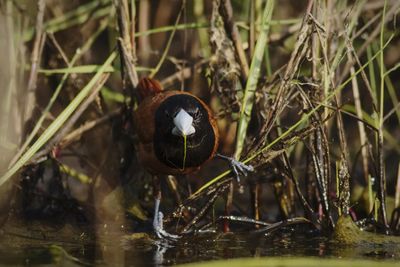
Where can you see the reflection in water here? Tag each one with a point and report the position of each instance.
(141, 250)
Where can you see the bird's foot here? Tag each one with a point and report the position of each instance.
(159, 228)
(237, 167)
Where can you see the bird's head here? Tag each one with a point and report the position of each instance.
(180, 115)
(183, 118)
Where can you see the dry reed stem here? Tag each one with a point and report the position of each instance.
(230, 26)
(126, 42)
(35, 59)
(361, 128)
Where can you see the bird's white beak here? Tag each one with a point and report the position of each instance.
(183, 124)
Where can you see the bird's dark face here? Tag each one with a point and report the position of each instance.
(181, 117)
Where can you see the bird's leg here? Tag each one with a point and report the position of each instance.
(158, 215)
(237, 166)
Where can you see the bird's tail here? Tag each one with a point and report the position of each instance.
(148, 87)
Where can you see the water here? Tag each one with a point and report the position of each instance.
(68, 247)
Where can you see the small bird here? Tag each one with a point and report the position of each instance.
(177, 135)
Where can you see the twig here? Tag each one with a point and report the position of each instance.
(276, 226)
(59, 48)
(392, 111)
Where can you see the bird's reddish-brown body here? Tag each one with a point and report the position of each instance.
(144, 118)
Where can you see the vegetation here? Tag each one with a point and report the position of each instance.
(304, 91)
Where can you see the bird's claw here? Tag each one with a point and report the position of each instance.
(159, 228)
(240, 168)
(237, 167)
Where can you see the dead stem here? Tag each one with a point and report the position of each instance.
(275, 226)
(126, 43)
(144, 24)
(361, 129)
(35, 59)
(233, 32)
(397, 194)
(59, 48)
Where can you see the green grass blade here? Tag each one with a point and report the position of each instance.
(85, 69)
(254, 74)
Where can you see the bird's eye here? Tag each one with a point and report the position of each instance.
(167, 114)
(196, 112)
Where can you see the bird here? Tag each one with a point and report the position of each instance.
(177, 134)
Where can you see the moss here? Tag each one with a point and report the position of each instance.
(347, 232)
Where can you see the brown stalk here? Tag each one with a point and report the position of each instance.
(173, 185)
(59, 48)
(35, 58)
(354, 59)
(232, 30)
(255, 195)
(228, 206)
(144, 23)
(361, 127)
(397, 195)
(126, 44)
(344, 174)
(382, 181)
(278, 225)
(319, 149)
